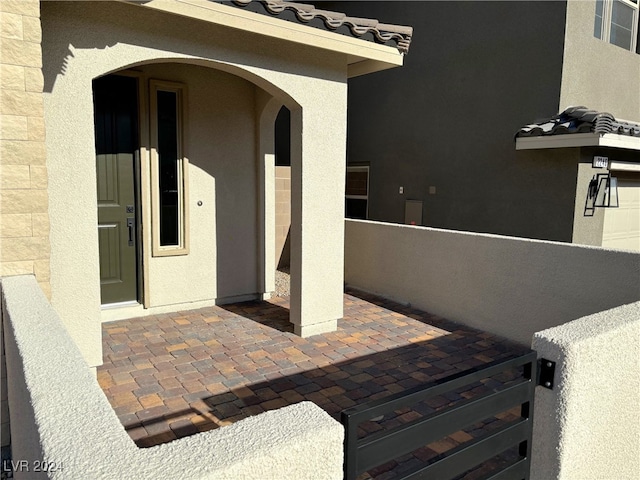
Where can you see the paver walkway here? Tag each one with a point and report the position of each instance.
(173, 375)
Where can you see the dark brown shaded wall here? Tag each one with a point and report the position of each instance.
(475, 73)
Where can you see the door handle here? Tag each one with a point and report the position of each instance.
(130, 226)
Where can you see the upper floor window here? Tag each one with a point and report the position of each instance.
(617, 22)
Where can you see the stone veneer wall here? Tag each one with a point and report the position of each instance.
(283, 215)
(24, 224)
(24, 218)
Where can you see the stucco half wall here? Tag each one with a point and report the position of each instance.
(509, 286)
(84, 41)
(586, 428)
(61, 419)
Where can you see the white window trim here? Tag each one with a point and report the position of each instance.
(183, 168)
(605, 28)
(360, 197)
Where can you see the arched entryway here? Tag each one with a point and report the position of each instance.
(188, 151)
(234, 81)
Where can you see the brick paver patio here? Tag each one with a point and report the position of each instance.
(173, 375)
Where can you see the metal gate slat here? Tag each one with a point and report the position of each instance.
(406, 438)
(376, 449)
(362, 413)
(517, 471)
(473, 453)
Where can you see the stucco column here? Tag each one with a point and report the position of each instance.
(267, 109)
(318, 143)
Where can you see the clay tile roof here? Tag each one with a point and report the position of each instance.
(364, 28)
(580, 120)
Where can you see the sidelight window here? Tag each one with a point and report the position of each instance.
(168, 170)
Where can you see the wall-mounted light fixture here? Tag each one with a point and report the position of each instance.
(602, 192)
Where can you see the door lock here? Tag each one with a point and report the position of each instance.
(131, 225)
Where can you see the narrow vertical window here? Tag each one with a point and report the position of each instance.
(168, 170)
(597, 28)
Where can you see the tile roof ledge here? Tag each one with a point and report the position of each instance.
(579, 127)
(367, 45)
(364, 28)
(580, 120)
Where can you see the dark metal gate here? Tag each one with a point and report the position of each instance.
(381, 447)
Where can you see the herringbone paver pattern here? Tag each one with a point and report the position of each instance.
(173, 375)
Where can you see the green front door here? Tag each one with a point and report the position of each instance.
(116, 127)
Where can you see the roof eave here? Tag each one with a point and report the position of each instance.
(610, 140)
(363, 67)
(362, 57)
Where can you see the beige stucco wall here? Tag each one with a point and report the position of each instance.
(61, 416)
(614, 89)
(584, 81)
(509, 286)
(587, 230)
(220, 146)
(84, 41)
(586, 428)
